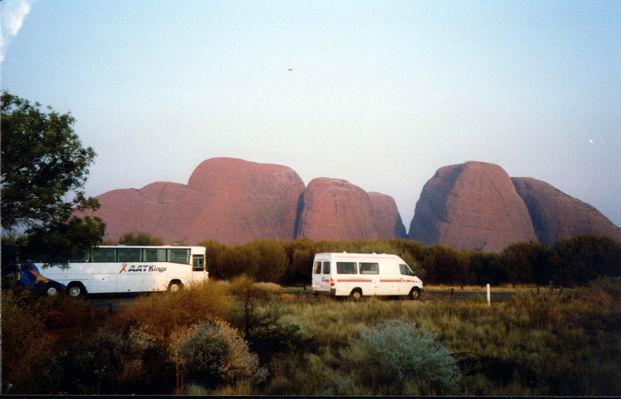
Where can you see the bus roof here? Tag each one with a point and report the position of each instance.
(151, 246)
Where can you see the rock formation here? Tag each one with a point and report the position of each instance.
(226, 199)
(557, 216)
(386, 218)
(334, 209)
(472, 205)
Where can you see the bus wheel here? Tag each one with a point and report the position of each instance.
(414, 293)
(356, 294)
(76, 290)
(175, 286)
(51, 290)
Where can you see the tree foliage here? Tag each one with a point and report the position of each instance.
(139, 238)
(44, 168)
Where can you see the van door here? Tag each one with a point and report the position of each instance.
(407, 278)
(390, 280)
(371, 272)
(317, 276)
(324, 284)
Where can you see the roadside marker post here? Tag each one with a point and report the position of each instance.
(489, 297)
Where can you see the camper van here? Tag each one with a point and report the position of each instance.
(355, 275)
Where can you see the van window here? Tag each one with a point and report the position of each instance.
(317, 268)
(369, 268)
(326, 267)
(346, 268)
(129, 254)
(406, 271)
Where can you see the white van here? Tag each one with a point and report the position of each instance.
(355, 275)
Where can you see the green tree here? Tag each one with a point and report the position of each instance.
(139, 238)
(578, 260)
(525, 262)
(44, 168)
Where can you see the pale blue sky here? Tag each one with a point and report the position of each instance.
(382, 93)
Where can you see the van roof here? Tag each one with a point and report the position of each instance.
(357, 254)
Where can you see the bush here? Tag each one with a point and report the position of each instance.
(161, 313)
(27, 347)
(212, 354)
(139, 238)
(397, 358)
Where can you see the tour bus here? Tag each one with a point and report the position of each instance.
(355, 275)
(119, 269)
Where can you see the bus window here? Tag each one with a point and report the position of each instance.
(129, 254)
(104, 255)
(155, 255)
(179, 256)
(79, 258)
(198, 263)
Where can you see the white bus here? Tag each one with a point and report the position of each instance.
(119, 269)
(355, 275)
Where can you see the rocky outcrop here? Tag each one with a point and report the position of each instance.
(334, 209)
(386, 219)
(473, 206)
(556, 215)
(226, 199)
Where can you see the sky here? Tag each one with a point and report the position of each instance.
(380, 93)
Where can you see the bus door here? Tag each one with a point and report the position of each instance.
(198, 268)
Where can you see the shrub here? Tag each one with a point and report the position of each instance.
(26, 345)
(212, 354)
(160, 314)
(396, 358)
(139, 238)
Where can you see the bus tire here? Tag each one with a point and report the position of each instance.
(356, 294)
(76, 290)
(414, 293)
(175, 286)
(52, 289)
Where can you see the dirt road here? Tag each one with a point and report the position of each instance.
(115, 302)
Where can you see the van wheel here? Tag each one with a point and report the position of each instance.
(414, 293)
(76, 290)
(356, 294)
(51, 290)
(175, 286)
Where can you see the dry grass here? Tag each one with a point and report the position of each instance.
(161, 314)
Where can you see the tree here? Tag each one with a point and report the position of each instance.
(44, 168)
(581, 259)
(139, 238)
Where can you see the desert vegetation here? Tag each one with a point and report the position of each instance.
(243, 337)
(569, 263)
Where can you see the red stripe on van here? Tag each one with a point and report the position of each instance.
(354, 280)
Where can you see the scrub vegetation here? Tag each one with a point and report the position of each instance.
(242, 337)
(569, 263)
